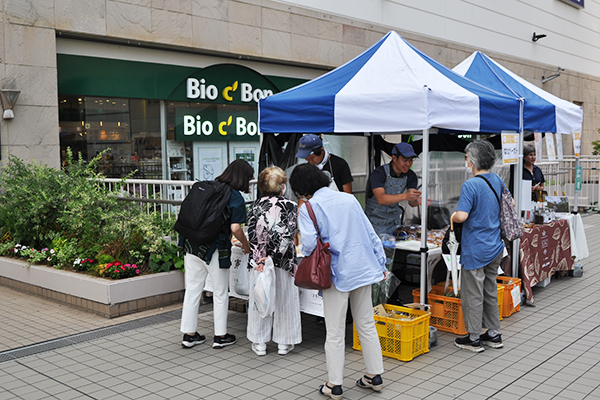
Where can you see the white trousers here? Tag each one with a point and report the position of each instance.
(335, 304)
(285, 322)
(195, 276)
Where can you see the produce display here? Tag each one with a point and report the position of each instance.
(434, 236)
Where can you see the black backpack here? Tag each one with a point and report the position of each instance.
(204, 213)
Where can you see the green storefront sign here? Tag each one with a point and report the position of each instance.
(94, 76)
(215, 124)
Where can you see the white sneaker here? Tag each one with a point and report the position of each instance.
(285, 348)
(259, 348)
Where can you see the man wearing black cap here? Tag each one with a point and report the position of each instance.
(310, 148)
(390, 184)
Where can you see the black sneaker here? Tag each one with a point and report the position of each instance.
(192, 340)
(493, 342)
(226, 340)
(468, 344)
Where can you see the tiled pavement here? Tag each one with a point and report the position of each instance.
(551, 351)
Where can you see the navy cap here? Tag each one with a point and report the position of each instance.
(404, 149)
(307, 144)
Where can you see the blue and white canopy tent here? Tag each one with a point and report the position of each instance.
(542, 111)
(391, 88)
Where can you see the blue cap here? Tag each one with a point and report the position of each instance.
(404, 149)
(307, 144)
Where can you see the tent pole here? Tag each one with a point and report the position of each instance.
(576, 193)
(518, 189)
(424, 196)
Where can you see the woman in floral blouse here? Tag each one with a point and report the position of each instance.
(272, 224)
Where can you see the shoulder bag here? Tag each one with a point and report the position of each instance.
(314, 271)
(510, 223)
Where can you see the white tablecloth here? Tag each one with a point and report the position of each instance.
(579, 247)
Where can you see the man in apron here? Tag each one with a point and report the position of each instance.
(310, 148)
(390, 184)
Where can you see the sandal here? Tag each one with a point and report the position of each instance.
(335, 392)
(375, 383)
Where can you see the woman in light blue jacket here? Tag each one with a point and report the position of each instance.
(357, 261)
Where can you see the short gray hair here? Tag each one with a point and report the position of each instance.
(481, 154)
(527, 150)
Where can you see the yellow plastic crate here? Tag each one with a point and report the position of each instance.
(402, 340)
(508, 308)
(446, 312)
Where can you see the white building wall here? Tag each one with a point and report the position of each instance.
(311, 36)
(501, 26)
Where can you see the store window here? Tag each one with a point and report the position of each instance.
(130, 128)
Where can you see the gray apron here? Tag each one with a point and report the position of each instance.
(385, 219)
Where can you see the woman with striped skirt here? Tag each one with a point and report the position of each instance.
(272, 224)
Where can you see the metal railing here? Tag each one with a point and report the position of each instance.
(445, 180)
(159, 196)
(560, 178)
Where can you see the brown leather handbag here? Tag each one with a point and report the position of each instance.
(314, 271)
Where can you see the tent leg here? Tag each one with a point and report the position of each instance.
(424, 195)
(576, 193)
(518, 195)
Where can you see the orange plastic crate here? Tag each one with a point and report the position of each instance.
(508, 308)
(402, 340)
(446, 312)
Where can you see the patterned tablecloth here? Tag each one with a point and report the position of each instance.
(544, 250)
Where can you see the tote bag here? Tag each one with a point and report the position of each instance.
(510, 223)
(314, 271)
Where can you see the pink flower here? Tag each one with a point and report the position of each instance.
(137, 271)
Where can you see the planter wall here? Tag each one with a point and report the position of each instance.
(109, 298)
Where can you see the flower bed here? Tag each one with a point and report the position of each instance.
(109, 298)
(80, 225)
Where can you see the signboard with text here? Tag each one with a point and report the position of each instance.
(215, 124)
(510, 147)
(577, 143)
(224, 84)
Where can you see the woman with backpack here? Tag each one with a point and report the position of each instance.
(202, 259)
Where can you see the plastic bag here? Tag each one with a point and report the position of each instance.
(242, 277)
(382, 291)
(264, 289)
(239, 278)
